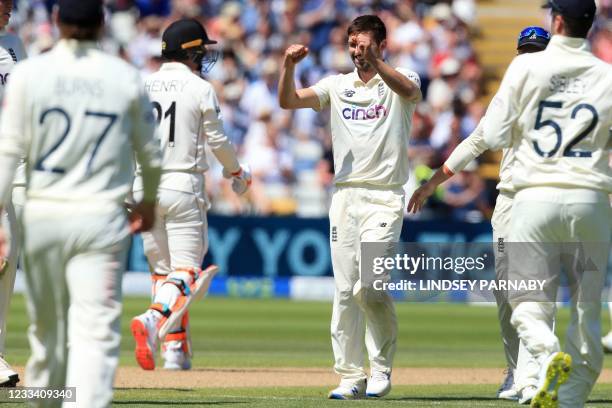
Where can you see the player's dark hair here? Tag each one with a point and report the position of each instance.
(80, 33)
(575, 27)
(368, 23)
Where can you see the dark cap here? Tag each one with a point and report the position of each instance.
(84, 13)
(577, 9)
(182, 35)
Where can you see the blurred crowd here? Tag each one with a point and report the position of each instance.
(290, 152)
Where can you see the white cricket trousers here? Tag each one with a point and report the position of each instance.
(179, 237)
(362, 215)
(177, 240)
(556, 215)
(10, 218)
(74, 260)
(518, 358)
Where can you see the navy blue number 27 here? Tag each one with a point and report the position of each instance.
(568, 151)
(40, 164)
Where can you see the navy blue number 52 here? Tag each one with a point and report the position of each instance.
(569, 149)
(40, 164)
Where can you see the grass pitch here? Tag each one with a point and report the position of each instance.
(281, 333)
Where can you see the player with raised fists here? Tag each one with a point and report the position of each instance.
(11, 52)
(79, 116)
(371, 116)
(188, 114)
(522, 376)
(554, 109)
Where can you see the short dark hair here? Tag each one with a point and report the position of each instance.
(368, 23)
(575, 27)
(80, 33)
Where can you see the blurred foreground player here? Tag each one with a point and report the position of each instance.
(11, 52)
(78, 115)
(554, 108)
(188, 114)
(371, 116)
(522, 376)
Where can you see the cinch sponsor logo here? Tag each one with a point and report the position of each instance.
(4, 78)
(371, 112)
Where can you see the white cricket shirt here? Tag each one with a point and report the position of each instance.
(11, 52)
(370, 127)
(555, 109)
(188, 114)
(78, 115)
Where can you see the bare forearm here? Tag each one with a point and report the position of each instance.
(440, 176)
(397, 82)
(287, 96)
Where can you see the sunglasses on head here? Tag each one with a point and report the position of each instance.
(530, 32)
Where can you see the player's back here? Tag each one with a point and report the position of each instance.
(565, 106)
(179, 97)
(80, 103)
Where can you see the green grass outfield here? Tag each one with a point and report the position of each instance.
(282, 333)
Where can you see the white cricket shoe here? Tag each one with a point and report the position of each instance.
(607, 343)
(379, 384)
(506, 390)
(555, 371)
(8, 377)
(175, 358)
(144, 331)
(527, 394)
(349, 389)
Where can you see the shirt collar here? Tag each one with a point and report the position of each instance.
(357, 81)
(74, 45)
(562, 41)
(174, 66)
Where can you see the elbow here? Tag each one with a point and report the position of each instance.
(284, 103)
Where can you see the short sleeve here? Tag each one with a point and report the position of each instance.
(323, 89)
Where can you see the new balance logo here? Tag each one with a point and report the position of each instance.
(348, 93)
(383, 224)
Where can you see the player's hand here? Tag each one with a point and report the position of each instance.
(415, 204)
(141, 216)
(241, 179)
(368, 50)
(295, 53)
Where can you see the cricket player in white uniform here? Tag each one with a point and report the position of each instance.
(521, 379)
(11, 52)
(371, 116)
(78, 115)
(554, 108)
(187, 110)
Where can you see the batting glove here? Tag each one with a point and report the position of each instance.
(241, 179)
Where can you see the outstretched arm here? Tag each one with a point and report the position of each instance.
(288, 96)
(468, 150)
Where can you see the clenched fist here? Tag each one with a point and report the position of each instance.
(295, 53)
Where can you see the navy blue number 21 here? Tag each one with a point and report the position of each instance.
(40, 164)
(568, 151)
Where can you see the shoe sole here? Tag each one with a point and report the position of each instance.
(343, 397)
(201, 287)
(143, 353)
(557, 373)
(10, 382)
